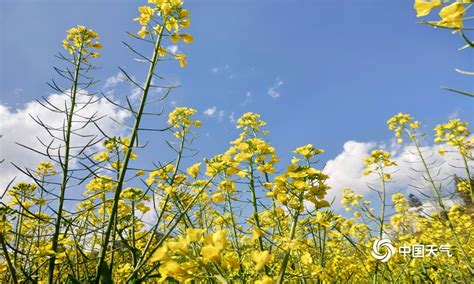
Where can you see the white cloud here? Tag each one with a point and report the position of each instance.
(173, 49)
(225, 70)
(232, 118)
(18, 126)
(136, 93)
(248, 99)
(114, 80)
(210, 111)
(213, 112)
(274, 90)
(346, 169)
(454, 115)
(273, 93)
(220, 115)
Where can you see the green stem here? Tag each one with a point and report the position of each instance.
(254, 205)
(167, 234)
(11, 268)
(440, 202)
(65, 168)
(286, 258)
(381, 220)
(123, 170)
(19, 224)
(234, 230)
(469, 179)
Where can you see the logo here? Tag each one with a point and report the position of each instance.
(382, 250)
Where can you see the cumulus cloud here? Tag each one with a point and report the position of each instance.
(18, 126)
(232, 118)
(274, 90)
(172, 48)
(223, 71)
(136, 93)
(248, 99)
(211, 112)
(346, 169)
(114, 80)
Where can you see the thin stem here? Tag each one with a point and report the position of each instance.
(11, 268)
(65, 168)
(284, 263)
(440, 202)
(123, 170)
(469, 179)
(254, 205)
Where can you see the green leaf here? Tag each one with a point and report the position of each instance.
(459, 92)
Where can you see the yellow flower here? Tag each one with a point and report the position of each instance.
(102, 156)
(399, 122)
(172, 23)
(170, 268)
(463, 186)
(194, 170)
(451, 16)
(194, 235)
(322, 219)
(265, 280)
(161, 254)
(377, 161)
(175, 37)
(179, 119)
(182, 59)
(146, 13)
(187, 38)
(80, 40)
(185, 23)
(261, 258)
(218, 197)
(424, 7)
(176, 3)
(45, 169)
(308, 151)
(210, 253)
(166, 8)
(143, 32)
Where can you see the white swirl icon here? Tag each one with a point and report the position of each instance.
(378, 251)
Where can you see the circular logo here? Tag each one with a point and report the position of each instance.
(382, 254)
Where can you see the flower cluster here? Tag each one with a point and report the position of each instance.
(250, 122)
(204, 231)
(400, 122)
(463, 186)
(245, 218)
(455, 133)
(165, 16)
(301, 183)
(377, 162)
(451, 15)
(308, 151)
(180, 120)
(82, 41)
(45, 169)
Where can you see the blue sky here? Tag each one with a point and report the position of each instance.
(340, 68)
